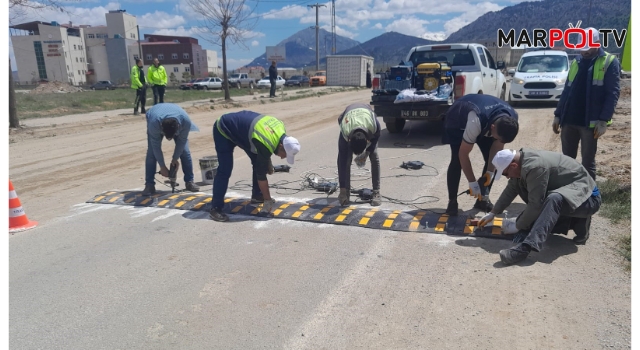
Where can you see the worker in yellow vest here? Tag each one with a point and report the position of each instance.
(260, 136)
(140, 85)
(158, 80)
(587, 103)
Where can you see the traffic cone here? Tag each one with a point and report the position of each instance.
(18, 220)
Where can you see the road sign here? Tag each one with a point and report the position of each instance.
(276, 53)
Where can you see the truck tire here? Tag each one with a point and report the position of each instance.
(503, 93)
(394, 125)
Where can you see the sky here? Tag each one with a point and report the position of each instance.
(359, 20)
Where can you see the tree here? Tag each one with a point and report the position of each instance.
(225, 22)
(173, 79)
(14, 122)
(186, 76)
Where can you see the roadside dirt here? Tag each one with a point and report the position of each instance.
(55, 86)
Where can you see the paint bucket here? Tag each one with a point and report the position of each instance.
(208, 167)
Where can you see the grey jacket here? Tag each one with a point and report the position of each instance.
(544, 172)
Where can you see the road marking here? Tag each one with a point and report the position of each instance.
(299, 212)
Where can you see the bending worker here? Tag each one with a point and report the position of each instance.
(158, 79)
(259, 136)
(172, 122)
(476, 119)
(555, 188)
(359, 134)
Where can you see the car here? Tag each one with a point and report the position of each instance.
(103, 85)
(193, 85)
(240, 80)
(540, 76)
(188, 85)
(208, 83)
(297, 80)
(264, 83)
(319, 79)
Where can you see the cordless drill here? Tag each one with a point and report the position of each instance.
(173, 172)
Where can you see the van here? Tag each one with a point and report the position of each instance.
(540, 76)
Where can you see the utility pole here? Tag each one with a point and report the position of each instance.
(333, 27)
(317, 6)
(139, 45)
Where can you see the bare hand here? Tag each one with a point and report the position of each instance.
(164, 171)
(176, 163)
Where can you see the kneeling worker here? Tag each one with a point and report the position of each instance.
(172, 122)
(487, 121)
(259, 136)
(359, 134)
(555, 187)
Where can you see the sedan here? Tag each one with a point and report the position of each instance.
(103, 85)
(297, 80)
(266, 84)
(187, 85)
(208, 83)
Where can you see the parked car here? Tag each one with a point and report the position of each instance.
(240, 80)
(540, 76)
(319, 79)
(266, 84)
(103, 85)
(208, 83)
(188, 85)
(297, 80)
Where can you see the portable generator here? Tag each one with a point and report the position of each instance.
(432, 75)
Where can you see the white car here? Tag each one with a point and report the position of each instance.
(264, 83)
(208, 83)
(540, 76)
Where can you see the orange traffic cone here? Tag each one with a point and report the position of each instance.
(18, 220)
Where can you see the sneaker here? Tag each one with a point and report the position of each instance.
(257, 199)
(376, 201)
(452, 208)
(218, 215)
(514, 254)
(149, 190)
(485, 206)
(191, 186)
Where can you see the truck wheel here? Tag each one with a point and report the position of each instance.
(395, 125)
(503, 93)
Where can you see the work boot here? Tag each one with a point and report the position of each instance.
(143, 111)
(218, 215)
(452, 208)
(581, 229)
(257, 199)
(376, 201)
(191, 186)
(149, 190)
(515, 254)
(135, 112)
(343, 197)
(485, 206)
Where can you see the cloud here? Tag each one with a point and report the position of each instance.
(288, 12)
(436, 36)
(181, 31)
(469, 16)
(408, 25)
(255, 43)
(79, 15)
(234, 63)
(160, 19)
(378, 26)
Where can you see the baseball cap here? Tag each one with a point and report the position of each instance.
(501, 161)
(291, 147)
(595, 37)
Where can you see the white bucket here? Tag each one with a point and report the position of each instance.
(208, 167)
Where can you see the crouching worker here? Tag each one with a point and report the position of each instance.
(260, 136)
(172, 122)
(359, 134)
(556, 189)
(476, 119)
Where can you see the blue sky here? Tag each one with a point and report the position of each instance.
(360, 20)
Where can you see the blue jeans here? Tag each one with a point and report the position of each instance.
(224, 150)
(151, 161)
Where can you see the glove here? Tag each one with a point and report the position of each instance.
(486, 219)
(268, 205)
(485, 180)
(509, 226)
(556, 125)
(599, 129)
(343, 197)
(361, 160)
(475, 190)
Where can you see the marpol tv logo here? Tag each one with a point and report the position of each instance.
(586, 38)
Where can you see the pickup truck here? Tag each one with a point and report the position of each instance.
(241, 80)
(465, 68)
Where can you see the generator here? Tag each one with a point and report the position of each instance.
(430, 76)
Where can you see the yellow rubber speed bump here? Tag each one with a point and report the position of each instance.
(300, 211)
(239, 207)
(344, 214)
(387, 223)
(322, 212)
(365, 219)
(199, 205)
(279, 210)
(415, 223)
(442, 223)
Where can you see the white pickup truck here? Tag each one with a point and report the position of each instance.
(466, 69)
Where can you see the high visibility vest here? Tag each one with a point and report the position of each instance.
(358, 119)
(268, 131)
(599, 69)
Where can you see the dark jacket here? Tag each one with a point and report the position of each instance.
(273, 73)
(486, 107)
(601, 100)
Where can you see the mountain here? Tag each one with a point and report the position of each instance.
(300, 48)
(546, 14)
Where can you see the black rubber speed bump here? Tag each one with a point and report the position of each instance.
(370, 217)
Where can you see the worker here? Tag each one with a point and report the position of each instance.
(359, 134)
(138, 82)
(260, 136)
(476, 119)
(172, 122)
(273, 77)
(554, 187)
(158, 80)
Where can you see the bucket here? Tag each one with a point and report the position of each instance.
(208, 167)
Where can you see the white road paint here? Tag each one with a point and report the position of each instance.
(172, 212)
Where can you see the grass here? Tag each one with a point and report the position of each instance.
(625, 250)
(616, 206)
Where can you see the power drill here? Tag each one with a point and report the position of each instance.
(364, 193)
(281, 168)
(173, 172)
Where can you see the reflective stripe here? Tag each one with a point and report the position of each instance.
(592, 124)
(252, 129)
(220, 129)
(15, 212)
(12, 195)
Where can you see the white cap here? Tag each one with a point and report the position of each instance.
(501, 161)
(595, 37)
(291, 147)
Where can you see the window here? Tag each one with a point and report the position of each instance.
(79, 73)
(91, 36)
(176, 69)
(187, 69)
(149, 58)
(482, 58)
(76, 59)
(81, 59)
(135, 57)
(185, 56)
(42, 70)
(492, 63)
(67, 67)
(160, 56)
(74, 47)
(174, 56)
(89, 60)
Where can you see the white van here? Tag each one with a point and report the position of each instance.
(540, 76)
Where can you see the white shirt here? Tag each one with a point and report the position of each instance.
(473, 129)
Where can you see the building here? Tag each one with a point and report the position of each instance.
(212, 62)
(49, 51)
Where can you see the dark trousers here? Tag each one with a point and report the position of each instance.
(224, 150)
(272, 93)
(345, 157)
(141, 99)
(454, 137)
(571, 136)
(158, 94)
(555, 208)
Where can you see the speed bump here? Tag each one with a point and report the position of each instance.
(370, 217)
